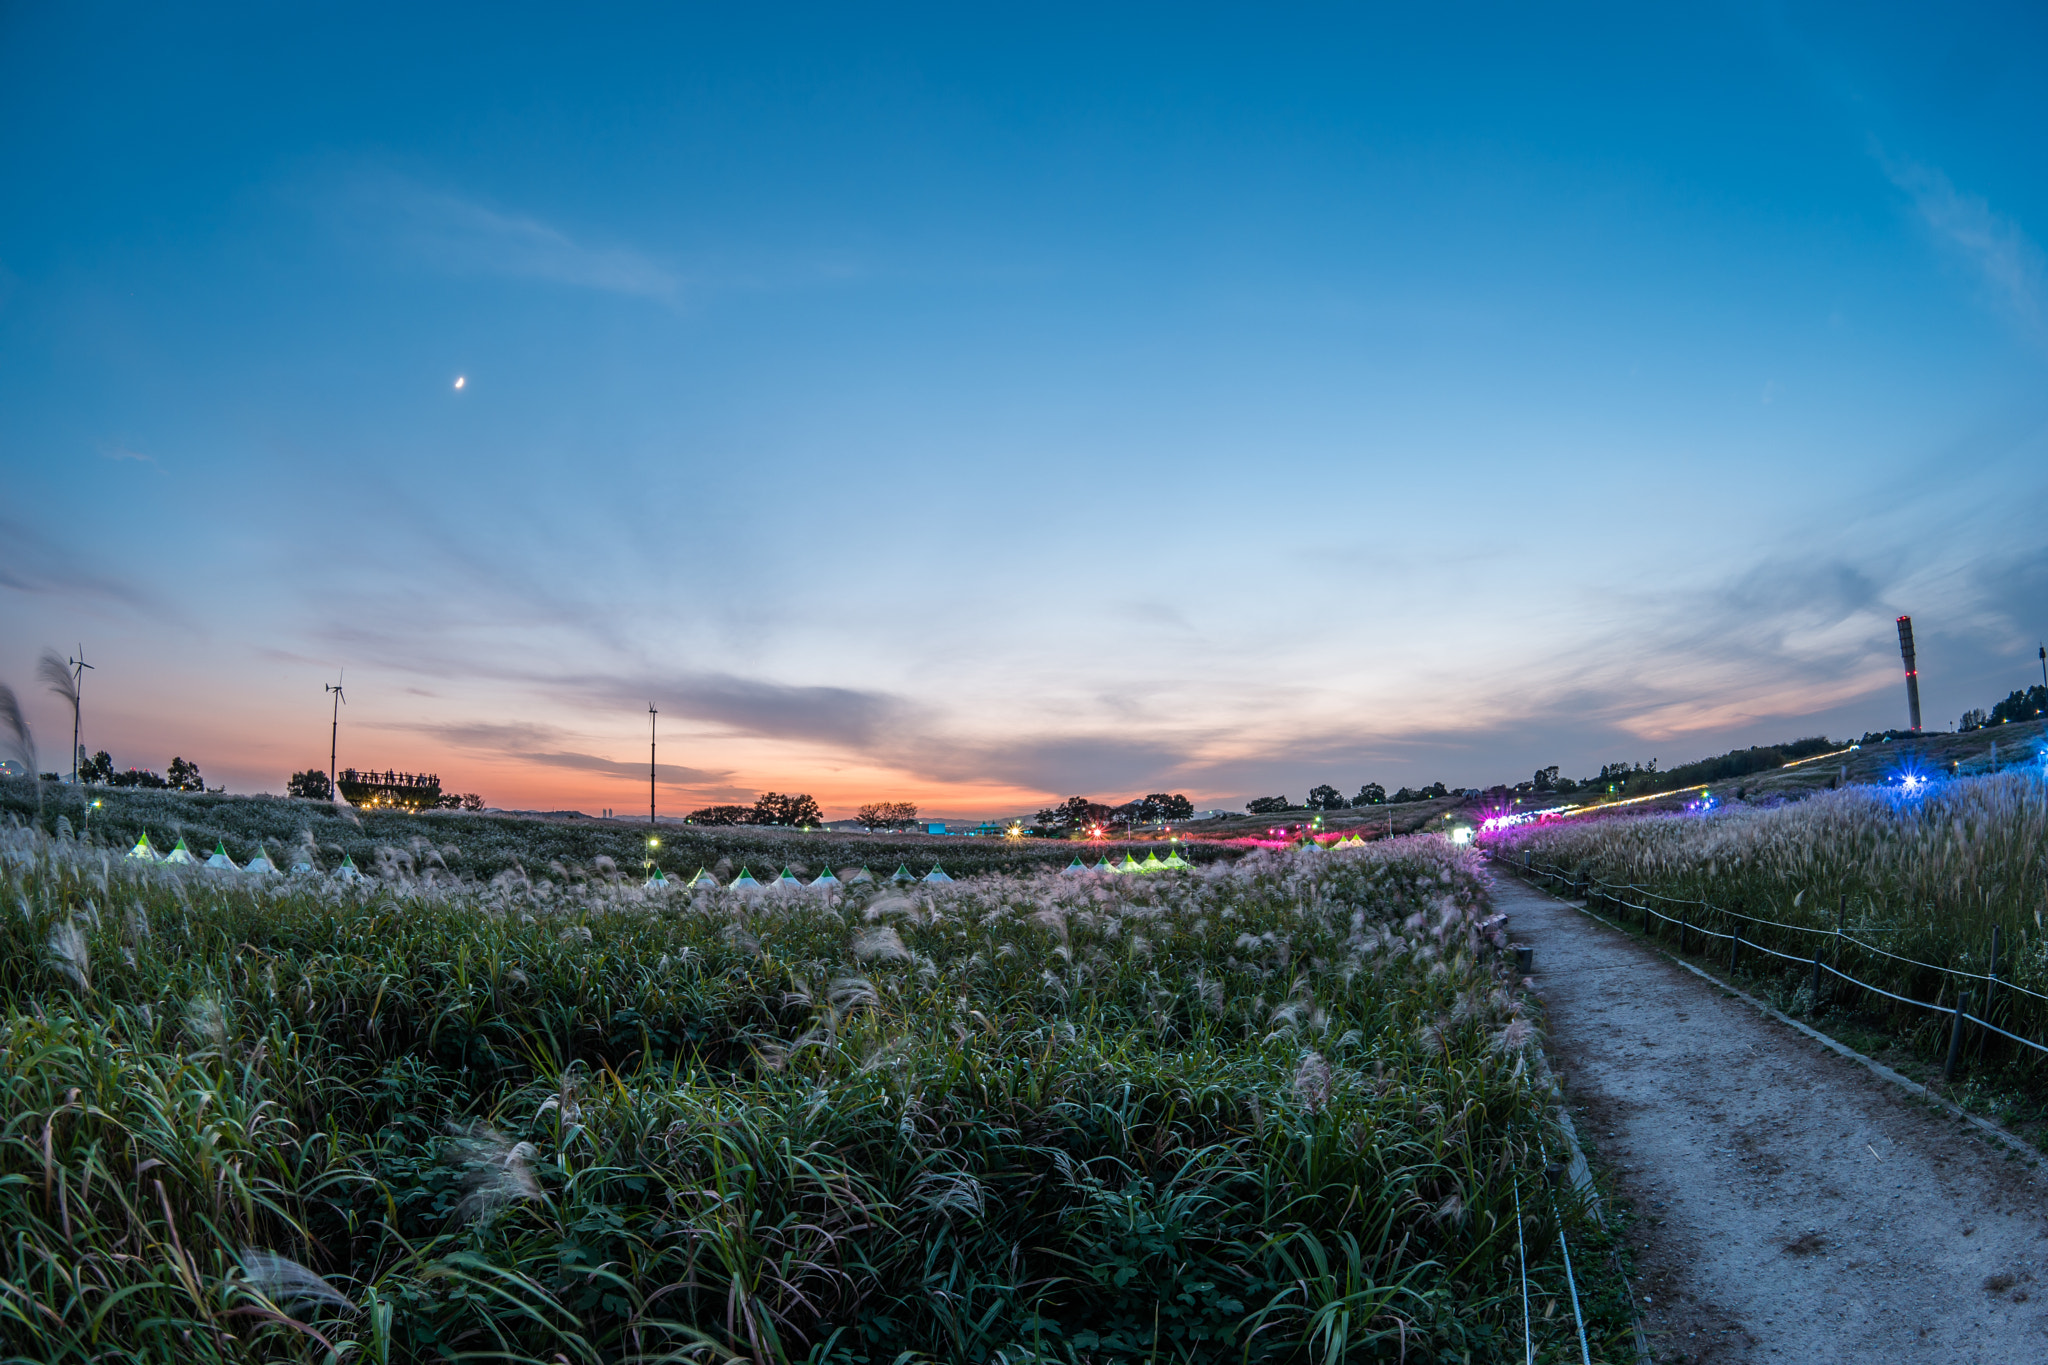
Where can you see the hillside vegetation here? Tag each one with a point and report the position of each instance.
(1925, 875)
(439, 846)
(1277, 1110)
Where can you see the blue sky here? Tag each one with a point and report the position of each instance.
(977, 408)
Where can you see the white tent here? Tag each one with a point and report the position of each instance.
(1074, 869)
(260, 864)
(937, 874)
(181, 854)
(655, 878)
(863, 875)
(703, 878)
(347, 871)
(220, 859)
(826, 881)
(142, 849)
(788, 880)
(744, 882)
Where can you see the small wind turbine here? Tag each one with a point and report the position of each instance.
(334, 735)
(78, 667)
(63, 676)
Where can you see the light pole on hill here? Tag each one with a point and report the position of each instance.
(334, 734)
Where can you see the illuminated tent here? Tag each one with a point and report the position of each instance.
(1104, 866)
(1129, 865)
(862, 875)
(655, 878)
(142, 849)
(1074, 869)
(937, 874)
(1176, 862)
(347, 871)
(703, 878)
(789, 880)
(181, 854)
(260, 864)
(1151, 863)
(901, 875)
(825, 881)
(744, 882)
(220, 859)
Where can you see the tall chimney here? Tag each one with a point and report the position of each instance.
(1912, 671)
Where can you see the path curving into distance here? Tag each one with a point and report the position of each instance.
(1791, 1206)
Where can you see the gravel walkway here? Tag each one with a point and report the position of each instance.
(1791, 1206)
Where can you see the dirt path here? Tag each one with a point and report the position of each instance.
(1809, 1210)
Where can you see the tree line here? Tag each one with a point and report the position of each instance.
(99, 771)
(796, 810)
(1081, 814)
(2018, 706)
(1326, 797)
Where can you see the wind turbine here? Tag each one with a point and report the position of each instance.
(63, 677)
(334, 735)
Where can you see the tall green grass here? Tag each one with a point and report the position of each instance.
(1926, 878)
(1273, 1111)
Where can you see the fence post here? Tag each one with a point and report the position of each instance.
(1734, 944)
(1984, 1035)
(1955, 1037)
(1816, 980)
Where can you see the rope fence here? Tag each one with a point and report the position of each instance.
(1838, 938)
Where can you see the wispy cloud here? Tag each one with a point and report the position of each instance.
(1994, 245)
(464, 236)
(540, 744)
(31, 563)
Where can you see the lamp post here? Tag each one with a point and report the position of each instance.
(334, 735)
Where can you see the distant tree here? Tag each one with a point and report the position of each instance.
(311, 785)
(1371, 794)
(1973, 720)
(184, 776)
(1404, 795)
(722, 815)
(138, 777)
(1268, 805)
(1077, 815)
(1326, 798)
(888, 814)
(1546, 779)
(471, 801)
(1161, 806)
(2019, 706)
(99, 768)
(787, 808)
(1434, 791)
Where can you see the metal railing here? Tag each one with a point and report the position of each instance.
(1837, 938)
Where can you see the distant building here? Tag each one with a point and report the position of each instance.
(935, 827)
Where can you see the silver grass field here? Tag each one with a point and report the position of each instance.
(1276, 1110)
